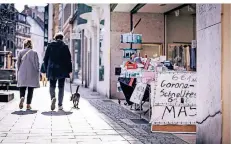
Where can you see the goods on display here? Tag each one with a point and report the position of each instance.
(138, 93)
(131, 38)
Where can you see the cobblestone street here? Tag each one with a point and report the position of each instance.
(98, 120)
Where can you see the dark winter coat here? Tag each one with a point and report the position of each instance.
(57, 60)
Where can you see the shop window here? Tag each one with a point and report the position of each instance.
(78, 65)
(151, 50)
(8, 30)
(8, 44)
(11, 44)
(101, 64)
(180, 49)
(12, 31)
(1, 61)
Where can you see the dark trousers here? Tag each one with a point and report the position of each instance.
(30, 91)
(61, 89)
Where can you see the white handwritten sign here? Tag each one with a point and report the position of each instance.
(175, 89)
(138, 93)
(165, 115)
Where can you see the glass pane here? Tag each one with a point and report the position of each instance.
(101, 64)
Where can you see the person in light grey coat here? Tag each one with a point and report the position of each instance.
(28, 73)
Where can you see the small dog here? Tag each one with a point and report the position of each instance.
(75, 98)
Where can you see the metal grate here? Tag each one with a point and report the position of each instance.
(139, 121)
(106, 100)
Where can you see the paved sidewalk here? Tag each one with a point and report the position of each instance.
(92, 123)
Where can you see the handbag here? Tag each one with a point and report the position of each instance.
(25, 54)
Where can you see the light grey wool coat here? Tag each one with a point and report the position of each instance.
(28, 69)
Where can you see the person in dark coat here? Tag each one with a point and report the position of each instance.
(44, 78)
(58, 66)
(28, 73)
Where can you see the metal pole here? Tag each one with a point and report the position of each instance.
(82, 54)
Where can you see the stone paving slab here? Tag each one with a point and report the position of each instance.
(43, 126)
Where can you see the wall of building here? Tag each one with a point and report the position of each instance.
(151, 27)
(55, 19)
(37, 37)
(120, 23)
(209, 117)
(226, 62)
(180, 28)
(104, 86)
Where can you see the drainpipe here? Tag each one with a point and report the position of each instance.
(165, 36)
(71, 43)
(131, 25)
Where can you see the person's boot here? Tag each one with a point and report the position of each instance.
(28, 107)
(60, 107)
(21, 102)
(53, 101)
(61, 93)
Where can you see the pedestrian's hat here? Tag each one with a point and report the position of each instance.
(59, 34)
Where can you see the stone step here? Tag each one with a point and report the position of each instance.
(6, 96)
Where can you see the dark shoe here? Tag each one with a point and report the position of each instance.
(60, 107)
(53, 101)
(28, 107)
(21, 102)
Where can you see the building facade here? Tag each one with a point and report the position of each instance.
(35, 17)
(7, 27)
(55, 17)
(88, 40)
(22, 31)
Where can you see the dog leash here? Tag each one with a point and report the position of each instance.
(70, 86)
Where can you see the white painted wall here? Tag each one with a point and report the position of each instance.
(104, 86)
(37, 37)
(93, 31)
(209, 108)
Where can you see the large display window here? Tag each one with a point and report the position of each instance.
(181, 37)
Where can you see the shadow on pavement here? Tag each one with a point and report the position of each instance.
(27, 112)
(56, 113)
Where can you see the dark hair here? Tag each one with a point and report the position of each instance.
(59, 37)
(28, 44)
